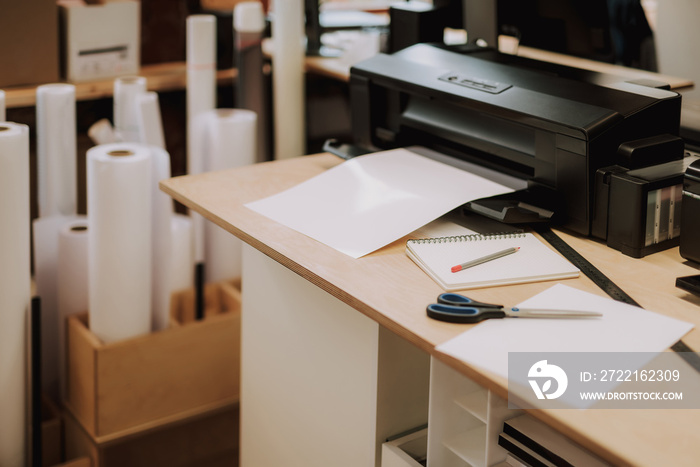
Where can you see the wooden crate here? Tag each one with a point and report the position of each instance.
(206, 439)
(51, 434)
(79, 462)
(128, 386)
(222, 297)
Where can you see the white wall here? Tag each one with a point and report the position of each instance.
(678, 41)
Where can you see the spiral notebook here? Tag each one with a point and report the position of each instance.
(533, 262)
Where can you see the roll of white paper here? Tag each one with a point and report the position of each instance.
(249, 17)
(15, 278)
(182, 256)
(288, 78)
(201, 78)
(249, 26)
(230, 142)
(230, 138)
(2, 106)
(46, 275)
(201, 96)
(161, 240)
(149, 120)
(56, 149)
(126, 123)
(72, 267)
(119, 194)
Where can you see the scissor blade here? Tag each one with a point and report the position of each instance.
(549, 313)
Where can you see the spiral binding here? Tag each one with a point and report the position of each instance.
(469, 238)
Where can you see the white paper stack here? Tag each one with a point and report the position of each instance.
(15, 278)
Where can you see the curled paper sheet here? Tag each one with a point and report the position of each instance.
(15, 278)
(101, 132)
(119, 190)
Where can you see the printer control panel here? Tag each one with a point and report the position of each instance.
(473, 82)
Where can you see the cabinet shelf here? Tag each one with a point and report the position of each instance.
(476, 403)
(160, 77)
(470, 446)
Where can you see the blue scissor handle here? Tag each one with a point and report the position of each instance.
(456, 299)
(462, 314)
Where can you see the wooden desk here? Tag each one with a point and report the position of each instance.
(628, 73)
(339, 69)
(386, 287)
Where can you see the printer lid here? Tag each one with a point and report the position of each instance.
(551, 96)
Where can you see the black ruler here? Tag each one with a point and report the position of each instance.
(592, 272)
(608, 286)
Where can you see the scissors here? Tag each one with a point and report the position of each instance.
(456, 308)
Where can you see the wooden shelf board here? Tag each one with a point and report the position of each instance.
(475, 403)
(469, 446)
(160, 77)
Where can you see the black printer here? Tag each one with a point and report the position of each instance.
(552, 125)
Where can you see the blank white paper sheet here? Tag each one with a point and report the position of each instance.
(372, 200)
(622, 328)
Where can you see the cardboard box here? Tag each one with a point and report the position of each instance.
(128, 386)
(29, 34)
(208, 439)
(100, 41)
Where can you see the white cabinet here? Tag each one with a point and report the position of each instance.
(321, 384)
